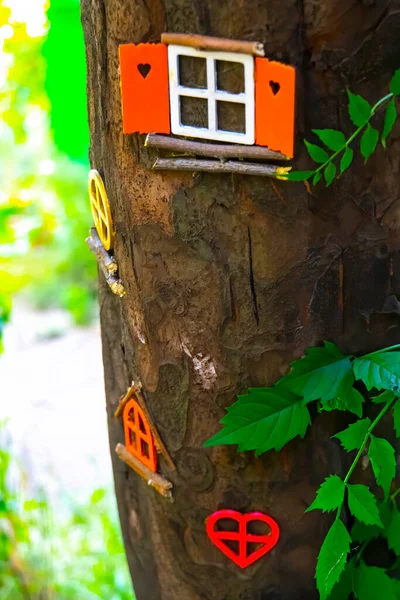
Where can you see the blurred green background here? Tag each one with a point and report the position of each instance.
(49, 549)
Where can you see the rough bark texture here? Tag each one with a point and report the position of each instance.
(230, 277)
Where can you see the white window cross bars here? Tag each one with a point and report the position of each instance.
(212, 94)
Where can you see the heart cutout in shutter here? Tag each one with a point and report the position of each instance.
(144, 70)
(244, 555)
(275, 87)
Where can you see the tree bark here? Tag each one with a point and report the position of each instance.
(228, 278)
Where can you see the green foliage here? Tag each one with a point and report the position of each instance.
(329, 173)
(319, 374)
(390, 119)
(360, 113)
(346, 160)
(268, 418)
(396, 417)
(5, 310)
(318, 154)
(381, 454)
(359, 109)
(352, 437)
(344, 587)
(371, 583)
(334, 140)
(393, 531)
(362, 504)
(330, 495)
(381, 371)
(262, 420)
(369, 141)
(44, 209)
(332, 558)
(395, 83)
(43, 554)
(69, 126)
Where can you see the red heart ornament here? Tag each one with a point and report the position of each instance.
(242, 558)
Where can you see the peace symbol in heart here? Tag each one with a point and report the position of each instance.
(242, 558)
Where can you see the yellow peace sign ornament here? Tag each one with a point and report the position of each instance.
(100, 209)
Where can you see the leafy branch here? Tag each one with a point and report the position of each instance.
(361, 113)
(268, 418)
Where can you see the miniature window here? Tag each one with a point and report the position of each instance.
(138, 437)
(208, 101)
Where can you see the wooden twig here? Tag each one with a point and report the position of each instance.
(159, 444)
(155, 480)
(135, 392)
(203, 42)
(165, 142)
(124, 399)
(217, 166)
(107, 263)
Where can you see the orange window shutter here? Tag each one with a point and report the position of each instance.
(275, 105)
(144, 88)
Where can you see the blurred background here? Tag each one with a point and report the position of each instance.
(59, 529)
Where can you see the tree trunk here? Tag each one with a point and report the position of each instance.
(230, 277)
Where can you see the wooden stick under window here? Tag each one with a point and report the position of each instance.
(155, 480)
(165, 142)
(218, 166)
(203, 42)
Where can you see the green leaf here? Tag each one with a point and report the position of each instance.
(365, 533)
(372, 583)
(318, 154)
(382, 457)
(317, 177)
(395, 83)
(97, 496)
(385, 397)
(329, 173)
(390, 119)
(352, 437)
(344, 587)
(362, 505)
(393, 532)
(319, 374)
(359, 109)
(332, 138)
(264, 419)
(396, 418)
(385, 512)
(330, 495)
(369, 141)
(346, 160)
(348, 397)
(299, 175)
(332, 558)
(381, 371)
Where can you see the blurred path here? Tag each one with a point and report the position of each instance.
(51, 389)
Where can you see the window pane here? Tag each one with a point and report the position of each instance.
(230, 76)
(194, 111)
(192, 72)
(144, 448)
(231, 117)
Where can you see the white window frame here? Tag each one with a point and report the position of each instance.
(212, 95)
